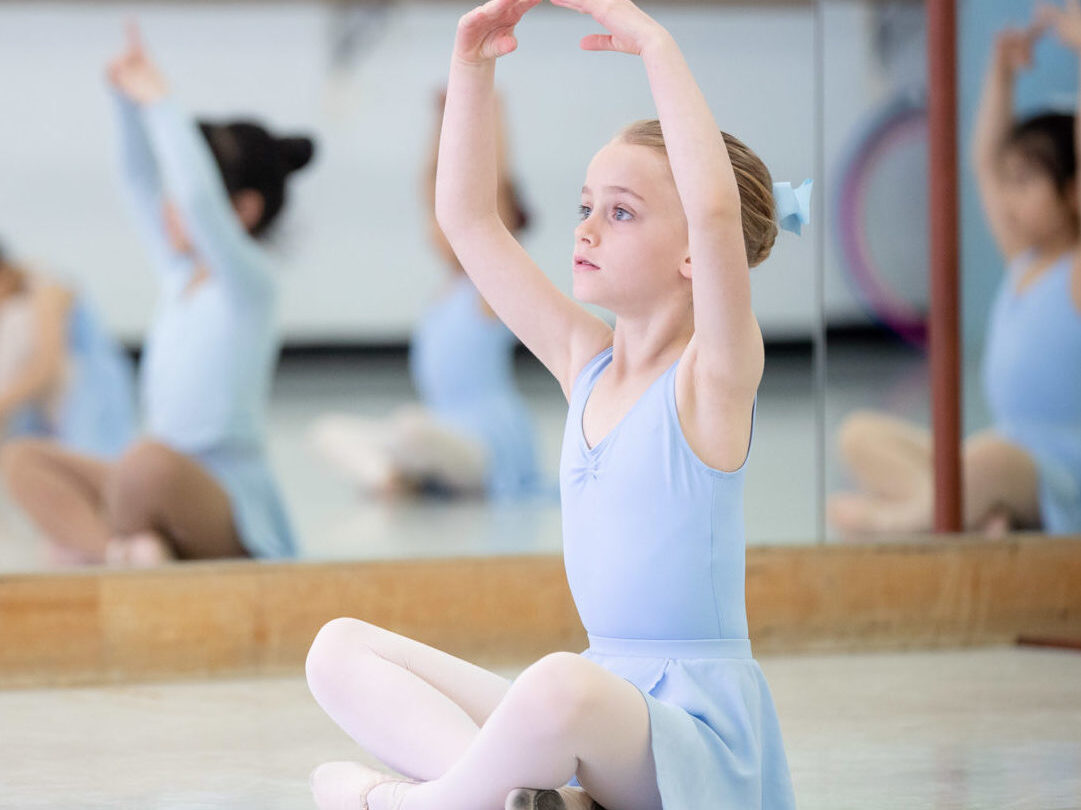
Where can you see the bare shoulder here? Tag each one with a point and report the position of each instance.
(715, 410)
(594, 338)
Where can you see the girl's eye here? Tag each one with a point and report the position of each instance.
(583, 211)
(621, 213)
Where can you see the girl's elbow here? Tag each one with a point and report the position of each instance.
(444, 215)
(453, 218)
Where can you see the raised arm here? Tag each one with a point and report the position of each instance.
(162, 138)
(141, 180)
(195, 187)
(726, 350)
(557, 330)
(1012, 53)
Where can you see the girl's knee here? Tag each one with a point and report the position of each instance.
(558, 692)
(335, 640)
(859, 428)
(145, 470)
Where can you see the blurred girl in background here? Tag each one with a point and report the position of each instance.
(472, 433)
(61, 375)
(199, 485)
(1025, 471)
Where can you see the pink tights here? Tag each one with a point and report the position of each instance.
(470, 736)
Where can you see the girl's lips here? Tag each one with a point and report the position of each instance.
(584, 264)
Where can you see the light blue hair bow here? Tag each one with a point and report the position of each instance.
(793, 205)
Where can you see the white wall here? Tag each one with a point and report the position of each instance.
(356, 265)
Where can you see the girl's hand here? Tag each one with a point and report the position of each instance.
(1065, 22)
(1013, 47)
(632, 30)
(134, 74)
(487, 32)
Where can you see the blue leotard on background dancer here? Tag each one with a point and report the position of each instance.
(199, 485)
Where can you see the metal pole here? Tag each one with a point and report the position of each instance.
(945, 335)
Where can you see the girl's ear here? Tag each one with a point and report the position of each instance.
(685, 267)
(249, 207)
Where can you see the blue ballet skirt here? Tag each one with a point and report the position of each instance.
(95, 413)
(714, 728)
(462, 363)
(1032, 381)
(653, 542)
(259, 512)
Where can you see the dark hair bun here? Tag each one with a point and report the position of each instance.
(296, 152)
(251, 158)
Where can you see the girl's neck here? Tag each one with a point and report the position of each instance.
(1055, 246)
(643, 344)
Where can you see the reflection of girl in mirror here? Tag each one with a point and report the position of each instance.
(473, 433)
(667, 707)
(61, 375)
(1024, 472)
(199, 485)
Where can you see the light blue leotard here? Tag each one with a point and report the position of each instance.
(462, 362)
(210, 353)
(654, 548)
(1032, 381)
(95, 413)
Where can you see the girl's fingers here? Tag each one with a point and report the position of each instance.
(598, 42)
(522, 7)
(135, 37)
(505, 44)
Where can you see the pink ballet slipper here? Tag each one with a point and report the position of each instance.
(347, 785)
(143, 550)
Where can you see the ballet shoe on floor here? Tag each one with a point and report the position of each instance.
(346, 785)
(142, 550)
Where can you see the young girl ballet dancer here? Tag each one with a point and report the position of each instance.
(667, 708)
(472, 433)
(61, 375)
(199, 485)
(1025, 471)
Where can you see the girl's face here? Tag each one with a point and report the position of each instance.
(1035, 208)
(248, 206)
(630, 247)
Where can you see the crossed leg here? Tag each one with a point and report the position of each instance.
(381, 688)
(482, 736)
(891, 461)
(408, 450)
(63, 493)
(153, 497)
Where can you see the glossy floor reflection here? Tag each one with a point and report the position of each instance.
(989, 729)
